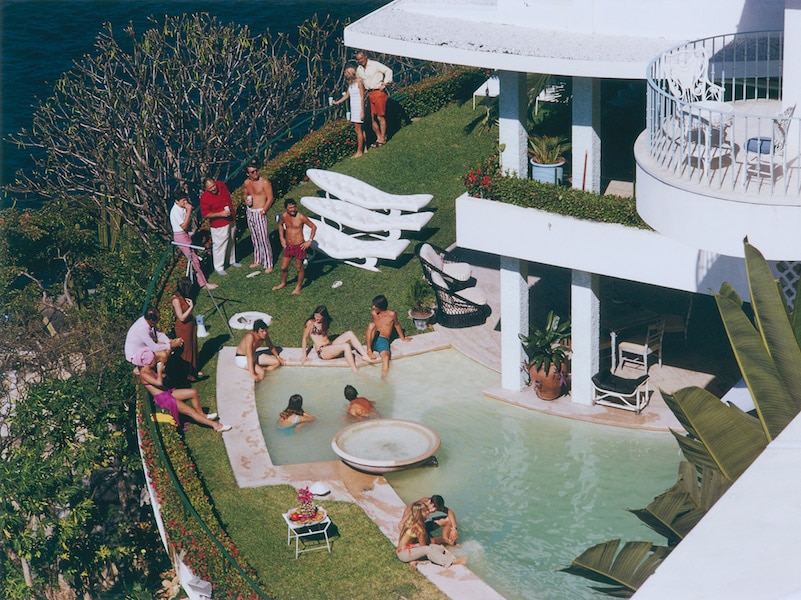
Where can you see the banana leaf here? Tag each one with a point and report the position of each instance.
(774, 405)
(674, 513)
(795, 314)
(625, 571)
(723, 438)
(770, 312)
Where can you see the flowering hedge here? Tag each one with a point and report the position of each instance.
(202, 555)
(487, 181)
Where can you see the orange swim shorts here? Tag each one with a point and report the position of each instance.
(378, 103)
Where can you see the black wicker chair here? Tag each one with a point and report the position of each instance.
(454, 310)
(448, 280)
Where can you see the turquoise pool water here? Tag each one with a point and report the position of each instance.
(530, 491)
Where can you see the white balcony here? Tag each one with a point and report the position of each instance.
(720, 158)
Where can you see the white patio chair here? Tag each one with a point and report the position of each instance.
(355, 191)
(764, 155)
(637, 351)
(679, 323)
(686, 72)
(364, 221)
(341, 246)
(620, 392)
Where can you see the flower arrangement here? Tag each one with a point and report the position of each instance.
(479, 181)
(304, 495)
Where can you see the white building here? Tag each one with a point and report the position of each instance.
(697, 186)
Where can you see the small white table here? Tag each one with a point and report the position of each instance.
(298, 530)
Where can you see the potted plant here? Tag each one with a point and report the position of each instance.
(545, 154)
(547, 352)
(421, 299)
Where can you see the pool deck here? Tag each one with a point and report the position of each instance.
(252, 467)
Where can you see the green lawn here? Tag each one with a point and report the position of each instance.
(430, 155)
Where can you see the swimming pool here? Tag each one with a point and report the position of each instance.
(530, 491)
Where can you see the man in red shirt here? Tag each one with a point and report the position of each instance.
(216, 206)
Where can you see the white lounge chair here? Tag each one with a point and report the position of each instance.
(344, 214)
(341, 246)
(355, 191)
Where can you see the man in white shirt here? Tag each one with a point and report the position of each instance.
(375, 78)
(180, 215)
(143, 335)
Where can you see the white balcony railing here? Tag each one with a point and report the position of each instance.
(715, 116)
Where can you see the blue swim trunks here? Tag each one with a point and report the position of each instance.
(381, 344)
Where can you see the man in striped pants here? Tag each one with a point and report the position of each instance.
(258, 196)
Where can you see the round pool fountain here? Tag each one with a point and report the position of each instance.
(385, 445)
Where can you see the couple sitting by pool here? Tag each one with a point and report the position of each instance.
(378, 335)
(419, 521)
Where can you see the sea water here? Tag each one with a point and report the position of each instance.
(42, 38)
(530, 491)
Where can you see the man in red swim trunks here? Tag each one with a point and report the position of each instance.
(290, 232)
(375, 77)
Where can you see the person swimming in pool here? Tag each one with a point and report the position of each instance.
(379, 331)
(317, 328)
(294, 414)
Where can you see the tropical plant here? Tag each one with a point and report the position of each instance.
(546, 346)
(420, 297)
(721, 441)
(547, 149)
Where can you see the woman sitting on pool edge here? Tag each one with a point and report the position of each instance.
(438, 516)
(317, 327)
(413, 542)
(294, 414)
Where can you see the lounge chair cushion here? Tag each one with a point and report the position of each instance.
(473, 294)
(458, 270)
(353, 190)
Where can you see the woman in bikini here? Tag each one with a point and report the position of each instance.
(413, 543)
(317, 327)
(294, 414)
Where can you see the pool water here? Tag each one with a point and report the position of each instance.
(530, 491)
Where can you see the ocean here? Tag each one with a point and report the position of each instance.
(42, 38)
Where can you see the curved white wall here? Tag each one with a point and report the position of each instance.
(714, 223)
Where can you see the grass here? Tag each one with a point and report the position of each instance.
(430, 155)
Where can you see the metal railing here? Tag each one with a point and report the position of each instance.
(727, 131)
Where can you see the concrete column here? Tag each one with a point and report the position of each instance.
(512, 122)
(514, 319)
(791, 86)
(587, 133)
(585, 320)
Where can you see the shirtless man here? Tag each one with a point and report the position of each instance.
(258, 197)
(379, 331)
(290, 231)
(358, 406)
(252, 357)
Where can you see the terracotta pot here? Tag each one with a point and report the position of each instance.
(548, 386)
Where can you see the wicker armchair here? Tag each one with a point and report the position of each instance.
(457, 309)
(451, 273)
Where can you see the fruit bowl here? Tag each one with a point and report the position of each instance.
(296, 517)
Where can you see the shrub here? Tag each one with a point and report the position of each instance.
(432, 94)
(487, 181)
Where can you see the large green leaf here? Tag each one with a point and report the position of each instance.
(624, 571)
(770, 311)
(724, 435)
(795, 314)
(774, 405)
(674, 513)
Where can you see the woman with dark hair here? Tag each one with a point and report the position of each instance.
(442, 516)
(318, 328)
(185, 326)
(294, 414)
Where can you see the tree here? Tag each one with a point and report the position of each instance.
(721, 441)
(189, 98)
